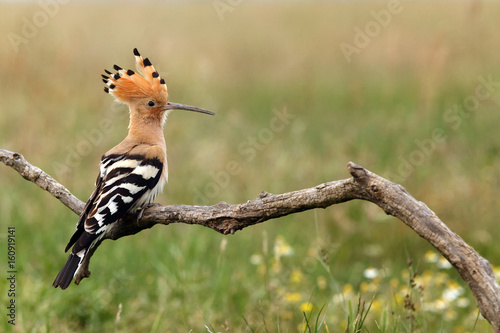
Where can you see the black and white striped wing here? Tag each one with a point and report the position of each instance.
(125, 182)
(129, 182)
(80, 225)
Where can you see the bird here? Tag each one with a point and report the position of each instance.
(132, 173)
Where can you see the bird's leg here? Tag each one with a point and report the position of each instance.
(141, 209)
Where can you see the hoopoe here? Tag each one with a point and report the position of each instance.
(133, 172)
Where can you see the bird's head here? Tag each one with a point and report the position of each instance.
(144, 91)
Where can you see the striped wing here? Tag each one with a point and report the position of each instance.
(125, 182)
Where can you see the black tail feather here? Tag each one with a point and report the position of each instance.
(66, 274)
(74, 238)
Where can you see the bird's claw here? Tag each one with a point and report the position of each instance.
(142, 209)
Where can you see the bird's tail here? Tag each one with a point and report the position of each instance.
(67, 273)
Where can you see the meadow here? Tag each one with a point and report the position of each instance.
(409, 90)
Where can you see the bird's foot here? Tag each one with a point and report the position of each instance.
(142, 209)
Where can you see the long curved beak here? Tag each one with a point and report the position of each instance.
(178, 106)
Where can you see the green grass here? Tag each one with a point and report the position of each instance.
(308, 272)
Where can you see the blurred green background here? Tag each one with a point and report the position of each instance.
(395, 87)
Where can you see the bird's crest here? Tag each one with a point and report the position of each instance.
(127, 85)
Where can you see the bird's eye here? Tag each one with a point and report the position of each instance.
(151, 103)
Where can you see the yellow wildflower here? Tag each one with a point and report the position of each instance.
(306, 307)
(293, 297)
(398, 299)
(296, 276)
(376, 305)
(348, 289)
(367, 287)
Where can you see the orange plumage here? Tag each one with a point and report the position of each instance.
(127, 85)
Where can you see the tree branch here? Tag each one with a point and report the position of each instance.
(365, 185)
(42, 179)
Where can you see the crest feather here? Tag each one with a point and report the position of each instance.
(127, 85)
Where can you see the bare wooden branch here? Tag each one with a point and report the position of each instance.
(42, 179)
(365, 185)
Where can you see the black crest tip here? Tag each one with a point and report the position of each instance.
(112, 86)
(136, 53)
(116, 76)
(108, 72)
(116, 67)
(130, 72)
(104, 80)
(147, 62)
(162, 81)
(104, 76)
(106, 89)
(155, 74)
